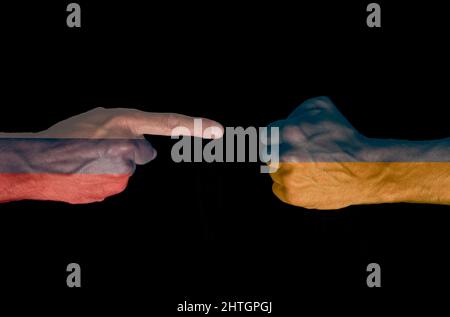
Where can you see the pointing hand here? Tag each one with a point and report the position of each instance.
(85, 158)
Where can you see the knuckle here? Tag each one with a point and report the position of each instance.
(172, 121)
(114, 120)
(292, 134)
(97, 110)
(123, 147)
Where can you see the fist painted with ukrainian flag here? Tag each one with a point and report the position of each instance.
(326, 164)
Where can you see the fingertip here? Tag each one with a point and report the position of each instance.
(213, 130)
(280, 192)
(144, 153)
(155, 154)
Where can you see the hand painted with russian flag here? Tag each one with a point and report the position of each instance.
(325, 163)
(85, 158)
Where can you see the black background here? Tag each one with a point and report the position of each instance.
(212, 232)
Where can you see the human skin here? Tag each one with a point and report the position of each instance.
(327, 164)
(88, 157)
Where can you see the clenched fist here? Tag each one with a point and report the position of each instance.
(326, 164)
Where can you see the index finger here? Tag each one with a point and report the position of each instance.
(171, 124)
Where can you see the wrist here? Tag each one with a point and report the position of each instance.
(16, 168)
(410, 171)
